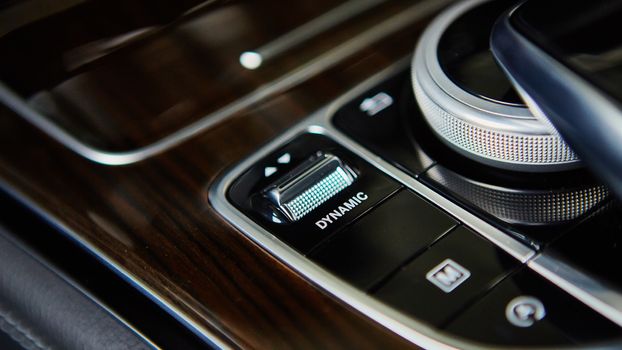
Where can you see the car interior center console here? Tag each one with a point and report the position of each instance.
(330, 174)
(439, 206)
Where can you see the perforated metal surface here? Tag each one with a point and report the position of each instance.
(318, 194)
(526, 207)
(490, 143)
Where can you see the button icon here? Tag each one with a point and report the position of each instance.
(524, 311)
(448, 275)
(284, 159)
(268, 171)
(376, 104)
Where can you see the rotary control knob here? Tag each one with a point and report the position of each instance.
(468, 101)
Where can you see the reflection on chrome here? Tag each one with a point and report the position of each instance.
(523, 206)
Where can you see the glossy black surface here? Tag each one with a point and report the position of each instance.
(567, 321)
(596, 244)
(304, 234)
(385, 133)
(464, 54)
(410, 291)
(584, 35)
(384, 239)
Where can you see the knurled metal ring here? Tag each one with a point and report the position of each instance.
(496, 134)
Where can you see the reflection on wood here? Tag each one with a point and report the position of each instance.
(152, 218)
(253, 59)
(124, 85)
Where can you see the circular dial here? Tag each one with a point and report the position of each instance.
(468, 101)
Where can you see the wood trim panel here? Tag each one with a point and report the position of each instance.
(153, 222)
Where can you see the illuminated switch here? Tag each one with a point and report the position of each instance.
(308, 190)
(310, 185)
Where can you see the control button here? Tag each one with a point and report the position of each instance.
(376, 104)
(524, 311)
(319, 187)
(448, 277)
(384, 239)
(381, 120)
(527, 310)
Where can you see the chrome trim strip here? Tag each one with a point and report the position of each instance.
(202, 332)
(603, 298)
(311, 68)
(319, 123)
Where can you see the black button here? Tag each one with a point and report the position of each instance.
(448, 277)
(384, 127)
(525, 309)
(370, 188)
(384, 239)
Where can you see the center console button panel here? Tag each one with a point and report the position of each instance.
(526, 310)
(383, 240)
(386, 233)
(308, 190)
(444, 280)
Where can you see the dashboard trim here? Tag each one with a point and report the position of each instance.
(317, 65)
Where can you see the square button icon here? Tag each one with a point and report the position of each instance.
(448, 275)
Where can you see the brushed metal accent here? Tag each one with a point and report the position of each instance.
(521, 206)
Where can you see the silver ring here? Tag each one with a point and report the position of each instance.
(496, 134)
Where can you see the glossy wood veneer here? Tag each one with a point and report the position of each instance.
(153, 221)
(121, 75)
